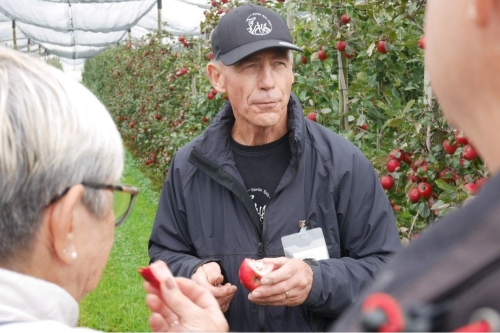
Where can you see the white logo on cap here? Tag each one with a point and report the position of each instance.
(259, 25)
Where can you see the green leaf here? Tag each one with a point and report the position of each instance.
(445, 186)
(362, 76)
(409, 105)
(326, 110)
(423, 209)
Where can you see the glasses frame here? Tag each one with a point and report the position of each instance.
(133, 191)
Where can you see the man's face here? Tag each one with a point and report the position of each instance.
(259, 87)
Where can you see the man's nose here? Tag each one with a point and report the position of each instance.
(266, 78)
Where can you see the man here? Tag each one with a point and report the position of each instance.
(449, 278)
(258, 170)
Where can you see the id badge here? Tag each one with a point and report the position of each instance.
(309, 244)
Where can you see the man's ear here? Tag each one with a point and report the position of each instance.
(216, 76)
(483, 11)
(61, 223)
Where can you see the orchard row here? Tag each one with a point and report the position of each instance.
(361, 75)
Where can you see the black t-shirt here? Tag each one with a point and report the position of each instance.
(261, 168)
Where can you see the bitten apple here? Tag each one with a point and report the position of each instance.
(148, 276)
(251, 271)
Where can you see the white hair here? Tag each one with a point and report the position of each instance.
(54, 133)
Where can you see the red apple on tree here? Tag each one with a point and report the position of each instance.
(414, 195)
(303, 60)
(471, 187)
(381, 47)
(312, 116)
(460, 139)
(449, 148)
(387, 182)
(341, 46)
(421, 43)
(210, 96)
(251, 271)
(322, 55)
(393, 165)
(345, 19)
(424, 189)
(469, 153)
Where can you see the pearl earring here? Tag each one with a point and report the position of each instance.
(74, 255)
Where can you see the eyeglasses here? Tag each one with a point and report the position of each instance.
(123, 198)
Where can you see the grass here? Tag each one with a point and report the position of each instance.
(117, 305)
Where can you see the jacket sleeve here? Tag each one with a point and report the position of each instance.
(368, 236)
(170, 239)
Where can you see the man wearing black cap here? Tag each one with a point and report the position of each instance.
(242, 188)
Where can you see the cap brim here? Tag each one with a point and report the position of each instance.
(232, 57)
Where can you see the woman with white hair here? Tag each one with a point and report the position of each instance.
(61, 158)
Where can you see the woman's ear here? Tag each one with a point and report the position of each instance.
(216, 75)
(62, 222)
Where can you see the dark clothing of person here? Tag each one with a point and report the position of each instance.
(451, 270)
(261, 168)
(205, 214)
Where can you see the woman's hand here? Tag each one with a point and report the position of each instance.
(181, 304)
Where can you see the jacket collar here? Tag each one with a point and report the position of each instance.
(26, 298)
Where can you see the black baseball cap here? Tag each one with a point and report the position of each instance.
(249, 29)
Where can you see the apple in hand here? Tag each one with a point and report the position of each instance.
(251, 271)
(148, 276)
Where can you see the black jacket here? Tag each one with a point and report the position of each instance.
(205, 214)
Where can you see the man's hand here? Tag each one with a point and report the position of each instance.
(209, 276)
(181, 305)
(289, 284)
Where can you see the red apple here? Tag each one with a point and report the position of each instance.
(204, 119)
(448, 148)
(182, 39)
(472, 188)
(214, 3)
(393, 165)
(322, 55)
(146, 272)
(312, 116)
(469, 153)
(414, 195)
(381, 47)
(210, 96)
(341, 46)
(303, 60)
(364, 127)
(460, 139)
(481, 181)
(425, 190)
(345, 19)
(184, 70)
(387, 182)
(421, 43)
(251, 271)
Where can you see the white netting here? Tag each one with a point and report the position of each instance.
(77, 29)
